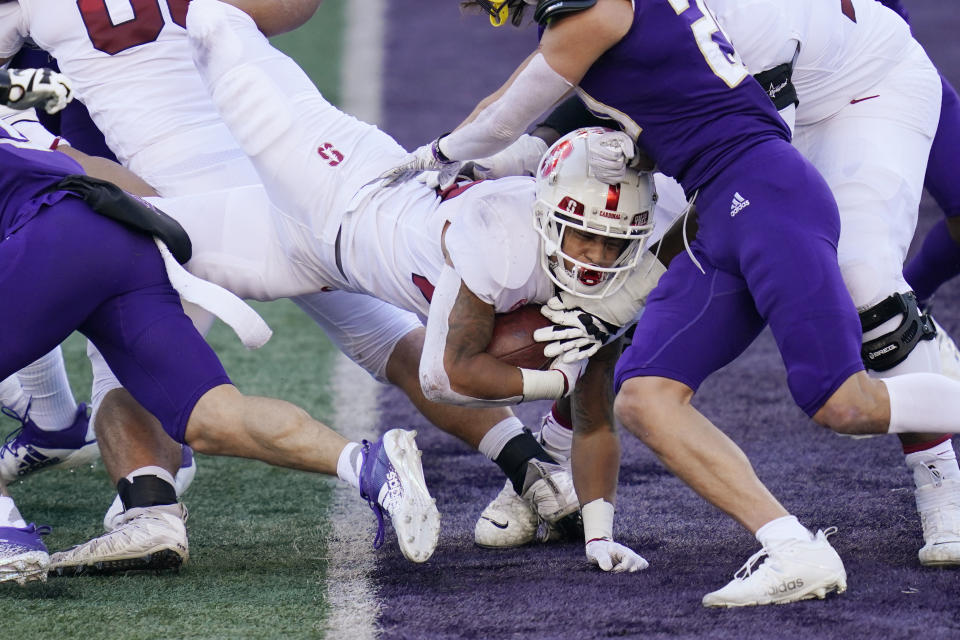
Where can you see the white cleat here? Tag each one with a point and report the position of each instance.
(391, 480)
(508, 521)
(548, 489)
(146, 539)
(793, 570)
(23, 556)
(939, 507)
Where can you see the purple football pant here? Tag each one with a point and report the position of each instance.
(767, 240)
(939, 257)
(70, 268)
(943, 168)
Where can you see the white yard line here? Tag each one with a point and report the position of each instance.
(350, 592)
(361, 79)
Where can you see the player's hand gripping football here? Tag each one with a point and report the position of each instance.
(575, 335)
(25, 88)
(425, 158)
(613, 556)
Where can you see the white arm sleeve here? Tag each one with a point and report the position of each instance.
(12, 30)
(535, 89)
(433, 376)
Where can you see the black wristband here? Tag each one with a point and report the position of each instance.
(439, 155)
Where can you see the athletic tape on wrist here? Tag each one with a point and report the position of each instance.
(543, 385)
(597, 520)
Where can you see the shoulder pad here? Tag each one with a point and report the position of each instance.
(547, 9)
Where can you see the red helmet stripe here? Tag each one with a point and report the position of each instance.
(613, 197)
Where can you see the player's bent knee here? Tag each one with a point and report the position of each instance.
(860, 406)
(642, 402)
(211, 428)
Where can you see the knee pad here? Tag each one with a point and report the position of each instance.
(890, 349)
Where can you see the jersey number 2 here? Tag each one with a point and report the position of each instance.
(726, 64)
(144, 27)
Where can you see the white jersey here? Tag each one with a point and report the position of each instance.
(845, 47)
(149, 101)
(490, 240)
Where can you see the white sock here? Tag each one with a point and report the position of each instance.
(556, 438)
(160, 472)
(785, 528)
(933, 465)
(9, 514)
(499, 435)
(12, 395)
(923, 403)
(349, 464)
(52, 405)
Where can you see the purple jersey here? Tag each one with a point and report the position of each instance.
(676, 84)
(25, 172)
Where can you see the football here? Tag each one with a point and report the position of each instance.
(512, 341)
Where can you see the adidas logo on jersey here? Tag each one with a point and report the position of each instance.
(739, 204)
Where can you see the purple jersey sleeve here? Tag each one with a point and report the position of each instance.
(24, 173)
(696, 106)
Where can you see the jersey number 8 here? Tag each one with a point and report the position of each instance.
(145, 25)
(719, 54)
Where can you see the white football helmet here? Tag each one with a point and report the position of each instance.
(569, 196)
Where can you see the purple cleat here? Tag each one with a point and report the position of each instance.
(391, 481)
(29, 448)
(23, 556)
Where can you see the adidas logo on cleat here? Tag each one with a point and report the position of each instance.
(739, 204)
(785, 587)
(35, 461)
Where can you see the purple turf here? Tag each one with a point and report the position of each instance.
(549, 591)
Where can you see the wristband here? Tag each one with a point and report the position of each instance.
(597, 520)
(437, 153)
(543, 385)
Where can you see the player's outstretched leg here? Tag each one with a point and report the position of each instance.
(391, 480)
(145, 539)
(23, 556)
(793, 570)
(30, 448)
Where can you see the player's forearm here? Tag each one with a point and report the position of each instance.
(274, 17)
(595, 456)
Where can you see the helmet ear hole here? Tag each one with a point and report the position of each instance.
(570, 197)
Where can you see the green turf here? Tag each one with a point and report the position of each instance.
(257, 534)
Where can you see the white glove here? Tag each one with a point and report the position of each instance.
(425, 158)
(26, 88)
(575, 335)
(613, 556)
(608, 155)
(571, 372)
(519, 159)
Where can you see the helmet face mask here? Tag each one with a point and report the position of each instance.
(570, 201)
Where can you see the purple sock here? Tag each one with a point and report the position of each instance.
(937, 261)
